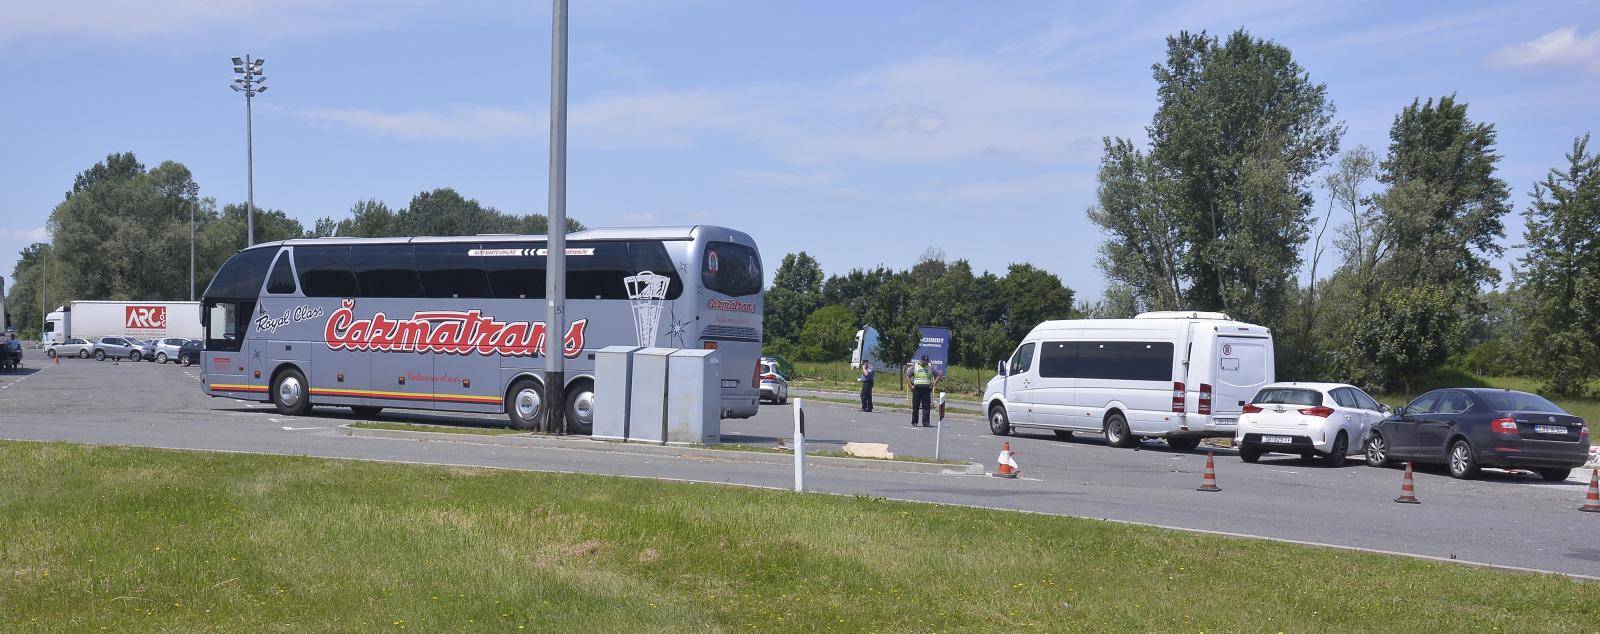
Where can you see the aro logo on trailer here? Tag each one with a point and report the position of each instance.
(145, 317)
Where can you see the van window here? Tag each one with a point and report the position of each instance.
(1124, 360)
(1022, 360)
(1056, 359)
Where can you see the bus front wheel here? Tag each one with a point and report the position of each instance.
(524, 404)
(289, 393)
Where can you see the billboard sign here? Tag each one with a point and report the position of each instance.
(933, 341)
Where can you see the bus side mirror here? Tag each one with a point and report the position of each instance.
(205, 317)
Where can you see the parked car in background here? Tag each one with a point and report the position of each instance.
(785, 368)
(167, 349)
(1469, 428)
(774, 387)
(1311, 419)
(72, 347)
(146, 349)
(114, 347)
(189, 352)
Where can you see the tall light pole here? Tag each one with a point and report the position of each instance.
(191, 250)
(249, 81)
(556, 263)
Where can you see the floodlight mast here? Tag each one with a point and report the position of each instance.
(556, 264)
(249, 80)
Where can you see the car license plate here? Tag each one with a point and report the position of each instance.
(1550, 429)
(1278, 440)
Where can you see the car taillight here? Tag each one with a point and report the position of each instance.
(1177, 396)
(1204, 406)
(769, 377)
(1320, 411)
(1504, 426)
(1252, 408)
(1583, 430)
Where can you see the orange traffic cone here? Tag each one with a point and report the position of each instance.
(1592, 504)
(1209, 483)
(1408, 491)
(57, 357)
(1008, 463)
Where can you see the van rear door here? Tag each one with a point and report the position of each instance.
(1243, 366)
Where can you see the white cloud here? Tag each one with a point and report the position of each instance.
(462, 123)
(36, 234)
(1561, 47)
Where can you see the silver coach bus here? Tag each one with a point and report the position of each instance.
(457, 324)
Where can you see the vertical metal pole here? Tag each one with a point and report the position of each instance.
(938, 432)
(44, 292)
(800, 445)
(250, 164)
(191, 250)
(556, 262)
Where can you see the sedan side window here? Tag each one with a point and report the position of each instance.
(1453, 402)
(1343, 398)
(1363, 401)
(1424, 404)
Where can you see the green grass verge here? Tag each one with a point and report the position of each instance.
(153, 540)
(442, 429)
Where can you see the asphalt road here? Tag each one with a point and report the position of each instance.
(1503, 519)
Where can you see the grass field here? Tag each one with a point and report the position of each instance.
(141, 540)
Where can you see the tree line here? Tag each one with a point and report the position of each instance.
(1215, 214)
(812, 318)
(122, 233)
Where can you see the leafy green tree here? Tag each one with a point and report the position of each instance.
(1409, 332)
(1144, 247)
(829, 334)
(1030, 295)
(1561, 272)
(796, 292)
(1240, 131)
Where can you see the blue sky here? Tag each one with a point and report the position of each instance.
(862, 132)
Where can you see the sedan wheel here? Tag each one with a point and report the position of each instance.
(1462, 464)
(1341, 446)
(1377, 451)
(50, 353)
(83, 354)
(161, 358)
(99, 355)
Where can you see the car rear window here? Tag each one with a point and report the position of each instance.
(1520, 402)
(1288, 396)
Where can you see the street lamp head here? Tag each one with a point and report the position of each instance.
(257, 62)
(238, 61)
(236, 88)
(261, 89)
(238, 69)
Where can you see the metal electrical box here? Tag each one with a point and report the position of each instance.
(613, 379)
(694, 397)
(647, 397)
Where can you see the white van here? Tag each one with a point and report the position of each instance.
(1180, 376)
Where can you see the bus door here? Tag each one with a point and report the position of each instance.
(225, 361)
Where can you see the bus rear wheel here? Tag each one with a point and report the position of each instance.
(524, 404)
(580, 407)
(289, 393)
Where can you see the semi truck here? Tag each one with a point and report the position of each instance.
(139, 319)
(5, 315)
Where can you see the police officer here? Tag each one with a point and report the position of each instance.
(923, 379)
(867, 375)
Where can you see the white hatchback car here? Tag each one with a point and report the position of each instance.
(1327, 419)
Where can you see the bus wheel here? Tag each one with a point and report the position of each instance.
(523, 404)
(289, 393)
(580, 407)
(365, 411)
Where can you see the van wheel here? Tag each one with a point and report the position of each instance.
(999, 423)
(525, 404)
(365, 411)
(580, 408)
(1117, 432)
(1341, 446)
(290, 393)
(1183, 444)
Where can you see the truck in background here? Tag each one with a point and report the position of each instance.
(867, 350)
(5, 315)
(143, 320)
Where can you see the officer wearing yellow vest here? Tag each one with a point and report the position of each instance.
(923, 379)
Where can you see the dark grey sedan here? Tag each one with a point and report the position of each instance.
(1468, 428)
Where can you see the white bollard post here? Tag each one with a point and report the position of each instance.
(938, 432)
(800, 445)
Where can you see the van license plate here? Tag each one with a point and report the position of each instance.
(1550, 429)
(1278, 440)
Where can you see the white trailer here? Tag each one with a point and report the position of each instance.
(5, 315)
(143, 320)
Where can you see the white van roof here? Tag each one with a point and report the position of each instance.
(1182, 314)
(1154, 322)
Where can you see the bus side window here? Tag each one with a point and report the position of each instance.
(281, 280)
(447, 271)
(385, 270)
(515, 276)
(325, 271)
